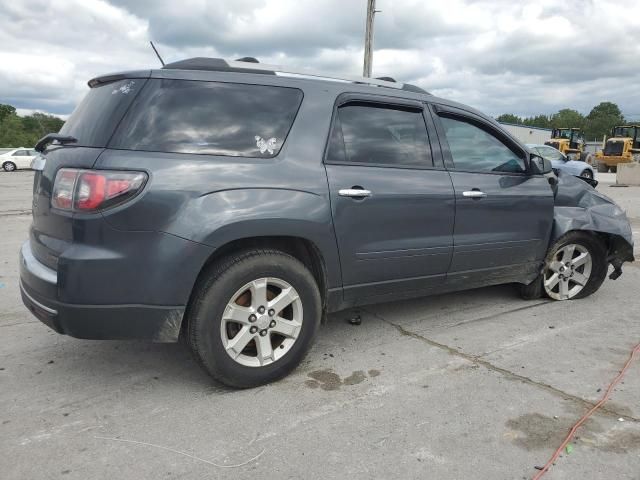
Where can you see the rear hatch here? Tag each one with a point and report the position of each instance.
(92, 123)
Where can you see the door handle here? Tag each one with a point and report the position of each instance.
(474, 194)
(354, 192)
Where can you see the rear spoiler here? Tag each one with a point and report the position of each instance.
(51, 137)
(114, 77)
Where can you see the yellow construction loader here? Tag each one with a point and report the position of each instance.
(569, 141)
(622, 147)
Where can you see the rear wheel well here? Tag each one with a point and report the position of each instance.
(300, 248)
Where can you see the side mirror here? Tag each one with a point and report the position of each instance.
(540, 164)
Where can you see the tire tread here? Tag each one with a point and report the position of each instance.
(211, 276)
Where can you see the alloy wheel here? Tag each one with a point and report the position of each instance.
(567, 273)
(261, 322)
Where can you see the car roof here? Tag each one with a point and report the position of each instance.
(246, 71)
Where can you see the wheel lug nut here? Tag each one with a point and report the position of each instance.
(263, 333)
(272, 312)
(260, 309)
(252, 318)
(253, 329)
(272, 324)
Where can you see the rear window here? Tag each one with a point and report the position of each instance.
(96, 117)
(184, 116)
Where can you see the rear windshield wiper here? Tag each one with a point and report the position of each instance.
(50, 137)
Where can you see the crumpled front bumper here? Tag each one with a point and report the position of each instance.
(578, 206)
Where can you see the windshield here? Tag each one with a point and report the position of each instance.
(549, 153)
(93, 121)
(569, 134)
(624, 131)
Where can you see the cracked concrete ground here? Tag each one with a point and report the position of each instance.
(478, 384)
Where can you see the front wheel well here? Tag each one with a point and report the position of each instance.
(617, 249)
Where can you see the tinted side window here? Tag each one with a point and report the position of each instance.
(184, 116)
(474, 149)
(335, 151)
(20, 153)
(379, 135)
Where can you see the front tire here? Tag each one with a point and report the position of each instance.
(602, 167)
(253, 317)
(575, 267)
(9, 166)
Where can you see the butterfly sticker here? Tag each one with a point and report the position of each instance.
(266, 145)
(125, 89)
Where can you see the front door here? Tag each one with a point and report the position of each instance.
(504, 212)
(393, 209)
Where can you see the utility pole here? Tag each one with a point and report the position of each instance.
(368, 38)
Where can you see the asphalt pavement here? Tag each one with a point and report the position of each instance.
(471, 385)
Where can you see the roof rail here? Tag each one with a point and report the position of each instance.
(247, 65)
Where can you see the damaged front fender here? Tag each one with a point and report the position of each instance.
(579, 206)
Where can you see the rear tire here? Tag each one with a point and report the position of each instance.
(602, 168)
(614, 169)
(582, 280)
(236, 284)
(9, 166)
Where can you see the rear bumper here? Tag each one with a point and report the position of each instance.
(39, 290)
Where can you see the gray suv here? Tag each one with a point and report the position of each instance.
(235, 205)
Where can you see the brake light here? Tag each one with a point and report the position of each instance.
(90, 190)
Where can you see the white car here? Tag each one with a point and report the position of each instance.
(18, 158)
(560, 161)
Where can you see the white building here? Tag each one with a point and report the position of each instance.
(528, 134)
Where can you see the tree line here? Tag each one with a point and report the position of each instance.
(599, 122)
(17, 131)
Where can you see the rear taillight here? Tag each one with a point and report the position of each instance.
(89, 190)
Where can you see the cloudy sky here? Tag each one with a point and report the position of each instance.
(520, 56)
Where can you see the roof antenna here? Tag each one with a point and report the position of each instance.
(158, 55)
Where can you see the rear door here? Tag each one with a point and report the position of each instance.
(392, 206)
(504, 213)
